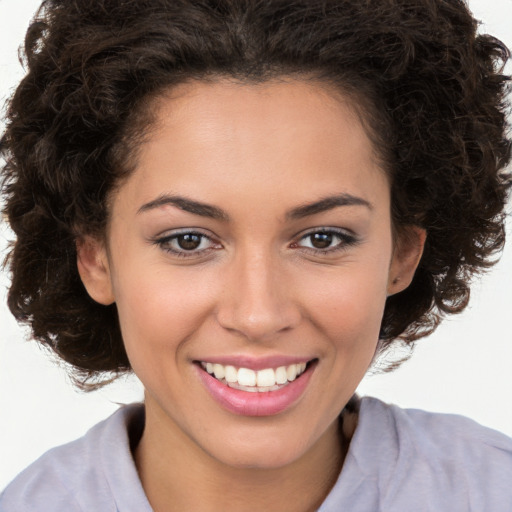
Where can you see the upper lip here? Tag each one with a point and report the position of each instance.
(255, 363)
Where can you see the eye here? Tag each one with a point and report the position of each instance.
(187, 243)
(321, 240)
(326, 240)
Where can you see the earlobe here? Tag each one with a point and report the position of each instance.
(406, 258)
(94, 269)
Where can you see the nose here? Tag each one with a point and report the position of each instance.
(258, 301)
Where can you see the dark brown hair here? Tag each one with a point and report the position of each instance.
(430, 88)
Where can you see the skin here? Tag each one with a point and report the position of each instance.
(256, 287)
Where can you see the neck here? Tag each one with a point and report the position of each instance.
(177, 475)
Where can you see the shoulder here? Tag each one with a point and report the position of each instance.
(421, 421)
(446, 438)
(449, 460)
(81, 475)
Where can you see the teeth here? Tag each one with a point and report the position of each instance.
(246, 377)
(218, 371)
(231, 374)
(281, 375)
(267, 379)
(291, 372)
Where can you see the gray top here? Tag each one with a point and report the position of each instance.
(399, 460)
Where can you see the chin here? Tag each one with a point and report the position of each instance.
(259, 459)
(264, 449)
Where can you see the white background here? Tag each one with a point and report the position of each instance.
(464, 368)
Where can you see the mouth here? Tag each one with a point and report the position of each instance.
(262, 391)
(255, 381)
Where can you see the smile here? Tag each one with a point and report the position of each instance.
(245, 379)
(266, 389)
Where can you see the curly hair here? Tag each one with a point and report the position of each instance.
(432, 92)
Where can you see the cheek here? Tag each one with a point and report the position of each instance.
(158, 310)
(349, 306)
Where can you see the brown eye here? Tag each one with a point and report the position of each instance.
(189, 242)
(321, 240)
(326, 241)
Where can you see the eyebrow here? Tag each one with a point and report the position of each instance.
(213, 212)
(187, 205)
(325, 204)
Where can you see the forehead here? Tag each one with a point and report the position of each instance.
(220, 111)
(289, 138)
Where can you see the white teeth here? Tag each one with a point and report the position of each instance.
(218, 371)
(281, 375)
(231, 374)
(246, 377)
(291, 372)
(268, 379)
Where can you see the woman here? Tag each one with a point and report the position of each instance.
(244, 203)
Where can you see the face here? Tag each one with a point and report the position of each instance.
(253, 241)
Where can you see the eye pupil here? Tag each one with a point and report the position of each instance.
(321, 240)
(189, 242)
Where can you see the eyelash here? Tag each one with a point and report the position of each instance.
(165, 241)
(345, 240)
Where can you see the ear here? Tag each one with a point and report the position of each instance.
(94, 269)
(406, 257)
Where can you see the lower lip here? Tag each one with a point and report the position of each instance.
(246, 403)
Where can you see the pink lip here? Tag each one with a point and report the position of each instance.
(248, 403)
(256, 363)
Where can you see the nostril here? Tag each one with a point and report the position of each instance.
(256, 303)
(256, 325)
